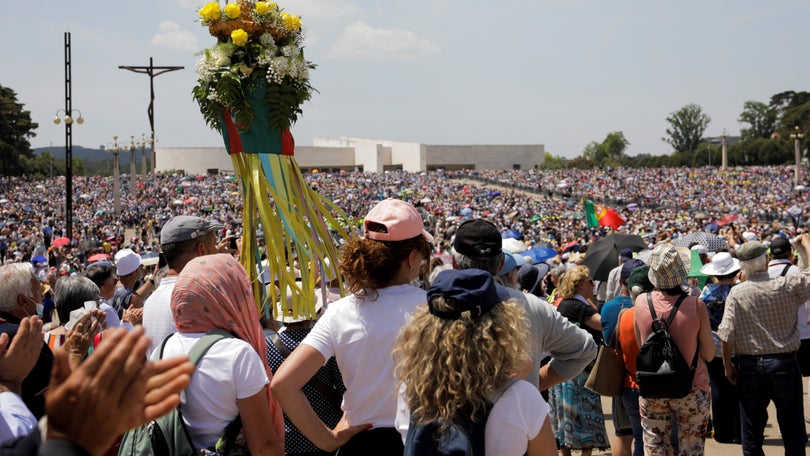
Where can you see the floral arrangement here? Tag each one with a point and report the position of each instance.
(259, 47)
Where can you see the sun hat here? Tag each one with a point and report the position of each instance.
(400, 219)
(473, 291)
(667, 268)
(182, 228)
(477, 238)
(722, 264)
(751, 250)
(750, 236)
(511, 261)
(530, 276)
(126, 262)
(284, 311)
(700, 249)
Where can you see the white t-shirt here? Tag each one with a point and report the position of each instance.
(361, 335)
(158, 321)
(514, 420)
(230, 370)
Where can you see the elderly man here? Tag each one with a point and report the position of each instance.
(20, 292)
(182, 239)
(477, 245)
(760, 326)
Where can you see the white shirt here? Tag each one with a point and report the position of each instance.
(230, 370)
(158, 321)
(514, 420)
(15, 418)
(361, 335)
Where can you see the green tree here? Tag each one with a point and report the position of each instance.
(761, 118)
(553, 162)
(16, 128)
(609, 152)
(686, 128)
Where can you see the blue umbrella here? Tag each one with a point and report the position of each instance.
(540, 254)
(511, 234)
(712, 227)
(466, 211)
(39, 259)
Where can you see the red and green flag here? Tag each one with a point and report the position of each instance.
(602, 216)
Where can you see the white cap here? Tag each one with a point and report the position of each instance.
(127, 262)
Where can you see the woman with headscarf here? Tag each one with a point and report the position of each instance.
(231, 379)
(576, 413)
(457, 355)
(692, 335)
(359, 331)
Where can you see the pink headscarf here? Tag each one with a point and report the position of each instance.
(214, 291)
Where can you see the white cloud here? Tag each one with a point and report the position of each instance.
(171, 35)
(310, 9)
(360, 40)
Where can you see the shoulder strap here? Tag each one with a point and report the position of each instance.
(199, 348)
(785, 271)
(614, 337)
(283, 349)
(674, 309)
(649, 303)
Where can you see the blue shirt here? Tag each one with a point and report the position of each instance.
(610, 314)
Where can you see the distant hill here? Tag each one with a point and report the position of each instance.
(83, 153)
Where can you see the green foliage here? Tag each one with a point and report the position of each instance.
(609, 152)
(553, 162)
(16, 128)
(760, 117)
(284, 101)
(687, 126)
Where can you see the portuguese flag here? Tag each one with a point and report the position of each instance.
(602, 216)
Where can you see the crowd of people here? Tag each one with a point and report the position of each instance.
(444, 322)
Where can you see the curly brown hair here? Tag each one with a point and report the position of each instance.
(450, 368)
(368, 264)
(570, 280)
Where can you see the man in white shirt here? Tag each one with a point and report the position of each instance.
(182, 239)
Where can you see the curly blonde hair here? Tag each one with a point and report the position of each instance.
(450, 368)
(570, 280)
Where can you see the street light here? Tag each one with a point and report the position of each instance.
(724, 159)
(131, 162)
(67, 117)
(797, 137)
(143, 144)
(116, 182)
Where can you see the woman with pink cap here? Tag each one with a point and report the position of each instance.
(360, 331)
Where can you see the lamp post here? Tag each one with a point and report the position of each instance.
(724, 162)
(116, 183)
(131, 161)
(797, 137)
(143, 144)
(68, 118)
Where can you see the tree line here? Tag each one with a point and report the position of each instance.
(767, 138)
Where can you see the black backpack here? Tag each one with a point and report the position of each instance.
(462, 439)
(661, 370)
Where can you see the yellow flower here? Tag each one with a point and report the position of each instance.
(210, 12)
(291, 21)
(262, 8)
(232, 10)
(239, 37)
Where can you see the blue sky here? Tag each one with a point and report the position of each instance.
(559, 73)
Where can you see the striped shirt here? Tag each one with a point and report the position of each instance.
(761, 314)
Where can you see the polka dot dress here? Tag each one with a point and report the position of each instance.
(295, 442)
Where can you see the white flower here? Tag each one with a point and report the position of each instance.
(221, 57)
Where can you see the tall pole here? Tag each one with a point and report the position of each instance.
(724, 165)
(151, 71)
(116, 178)
(797, 136)
(68, 144)
(131, 163)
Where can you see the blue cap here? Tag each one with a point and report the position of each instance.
(471, 290)
(511, 261)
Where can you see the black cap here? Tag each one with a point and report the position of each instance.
(780, 245)
(478, 238)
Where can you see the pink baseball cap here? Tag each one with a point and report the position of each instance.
(401, 220)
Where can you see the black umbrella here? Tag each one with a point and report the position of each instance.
(603, 255)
